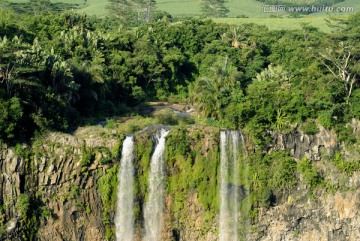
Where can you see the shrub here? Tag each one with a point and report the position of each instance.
(282, 170)
(110, 123)
(45, 212)
(346, 167)
(309, 127)
(23, 204)
(88, 156)
(309, 174)
(167, 117)
(325, 119)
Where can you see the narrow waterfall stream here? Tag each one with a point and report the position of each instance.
(124, 216)
(229, 193)
(154, 205)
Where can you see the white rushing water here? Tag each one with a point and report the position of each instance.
(124, 216)
(154, 205)
(229, 192)
(235, 193)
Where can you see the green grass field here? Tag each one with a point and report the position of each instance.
(279, 23)
(249, 8)
(184, 8)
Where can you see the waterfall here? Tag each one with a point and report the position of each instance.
(229, 192)
(124, 216)
(154, 206)
(235, 193)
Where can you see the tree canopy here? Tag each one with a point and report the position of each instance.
(57, 70)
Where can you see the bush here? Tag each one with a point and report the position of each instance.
(110, 123)
(11, 113)
(346, 167)
(325, 119)
(167, 117)
(309, 174)
(45, 212)
(88, 156)
(282, 170)
(23, 204)
(309, 127)
(269, 174)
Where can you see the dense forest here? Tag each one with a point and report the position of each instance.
(61, 70)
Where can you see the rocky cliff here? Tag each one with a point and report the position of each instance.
(62, 188)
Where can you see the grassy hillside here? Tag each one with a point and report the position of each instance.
(248, 8)
(182, 8)
(279, 23)
(191, 8)
(94, 7)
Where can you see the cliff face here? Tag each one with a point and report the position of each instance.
(63, 190)
(321, 214)
(310, 146)
(12, 171)
(71, 180)
(330, 217)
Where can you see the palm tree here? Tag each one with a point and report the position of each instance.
(212, 94)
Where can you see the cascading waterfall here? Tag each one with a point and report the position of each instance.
(154, 205)
(235, 193)
(124, 216)
(229, 193)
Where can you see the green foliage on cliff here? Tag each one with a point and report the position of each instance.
(310, 176)
(310, 127)
(270, 174)
(107, 188)
(344, 166)
(190, 170)
(144, 148)
(27, 209)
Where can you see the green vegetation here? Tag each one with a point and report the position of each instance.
(214, 8)
(190, 171)
(344, 166)
(144, 148)
(280, 23)
(310, 127)
(107, 187)
(309, 174)
(270, 174)
(29, 216)
(88, 155)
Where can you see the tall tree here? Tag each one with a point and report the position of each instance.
(340, 54)
(132, 11)
(214, 8)
(212, 94)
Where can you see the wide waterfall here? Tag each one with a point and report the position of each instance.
(124, 217)
(229, 191)
(154, 205)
